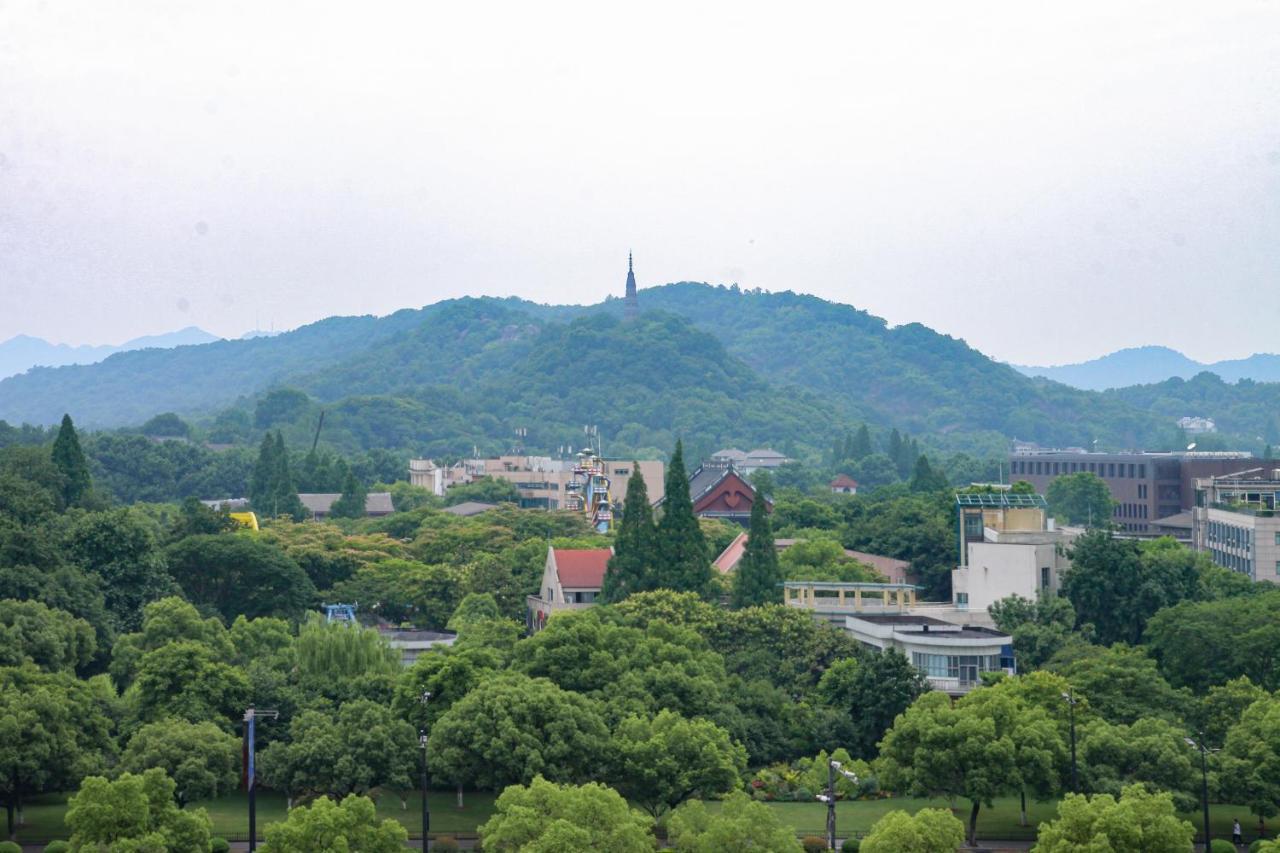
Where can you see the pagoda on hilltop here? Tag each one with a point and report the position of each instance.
(632, 307)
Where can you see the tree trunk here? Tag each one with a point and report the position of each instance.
(973, 824)
(288, 801)
(1023, 818)
(22, 819)
(459, 795)
(8, 803)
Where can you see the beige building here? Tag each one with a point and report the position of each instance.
(1237, 521)
(571, 580)
(540, 480)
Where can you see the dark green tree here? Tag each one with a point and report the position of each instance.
(925, 479)
(683, 561)
(263, 474)
(861, 446)
(284, 494)
(633, 566)
(1081, 498)
(351, 503)
(758, 578)
(70, 460)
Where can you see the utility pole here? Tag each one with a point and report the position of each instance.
(1075, 770)
(426, 809)
(830, 796)
(250, 718)
(1204, 781)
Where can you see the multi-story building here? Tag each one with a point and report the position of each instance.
(1008, 546)
(1145, 486)
(749, 461)
(952, 657)
(542, 481)
(1236, 521)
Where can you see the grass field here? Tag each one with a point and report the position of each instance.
(231, 820)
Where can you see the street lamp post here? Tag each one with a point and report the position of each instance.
(250, 719)
(1071, 700)
(426, 809)
(829, 797)
(1204, 779)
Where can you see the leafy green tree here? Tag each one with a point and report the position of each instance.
(980, 748)
(186, 679)
(1122, 683)
(512, 728)
(325, 825)
(69, 459)
(424, 594)
(51, 639)
(166, 425)
(1138, 820)
(1116, 585)
(194, 518)
(1081, 498)
(240, 575)
(53, 730)
(634, 564)
(351, 503)
(822, 558)
(474, 607)
(662, 762)
(334, 651)
(134, 812)
(739, 824)
(1213, 714)
(917, 528)
(488, 490)
(1200, 644)
(1251, 760)
(544, 816)
(202, 760)
(448, 675)
(364, 746)
(683, 562)
(120, 547)
(1040, 628)
(168, 620)
(868, 693)
(758, 579)
(925, 479)
(280, 406)
(1151, 751)
(927, 831)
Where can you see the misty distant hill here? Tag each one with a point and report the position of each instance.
(1152, 365)
(20, 354)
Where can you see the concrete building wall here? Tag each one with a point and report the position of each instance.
(1000, 569)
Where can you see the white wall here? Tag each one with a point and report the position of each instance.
(997, 570)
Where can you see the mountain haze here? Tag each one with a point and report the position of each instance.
(1153, 364)
(20, 353)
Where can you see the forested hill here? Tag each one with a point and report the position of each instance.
(727, 365)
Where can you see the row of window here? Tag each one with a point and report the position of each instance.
(1219, 533)
(1234, 562)
(1130, 511)
(1106, 470)
(963, 667)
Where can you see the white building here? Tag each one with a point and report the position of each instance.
(1008, 546)
(1236, 519)
(1197, 425)
(952, 657)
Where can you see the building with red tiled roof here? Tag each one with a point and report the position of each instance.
(571, 580)
(844, 485)
(894, 571)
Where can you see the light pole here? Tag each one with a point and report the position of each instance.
(426, 809)
(829, 797)
(1204, 779)
(250, 719)
(1071, 701)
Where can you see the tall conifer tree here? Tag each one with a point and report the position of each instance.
(284, 494)
(758, 576)
(632, 568)
(683, 563)
(264, 473)
(351, 503)
(70, 461)
(862, 443)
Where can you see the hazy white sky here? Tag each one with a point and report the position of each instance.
(1047, 181)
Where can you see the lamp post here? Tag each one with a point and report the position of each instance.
(1071, 701)
(250, 719)
(829, 797)
(1204, 779)
(426, 809)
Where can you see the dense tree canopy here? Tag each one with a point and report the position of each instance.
(546, 816)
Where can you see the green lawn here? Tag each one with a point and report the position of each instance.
(231, 819)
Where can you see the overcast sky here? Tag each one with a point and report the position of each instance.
(1047, 181)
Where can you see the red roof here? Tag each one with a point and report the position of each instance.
(844, 482)
(582, 569)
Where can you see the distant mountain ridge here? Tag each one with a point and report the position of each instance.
(23, 352)
(1150, 365)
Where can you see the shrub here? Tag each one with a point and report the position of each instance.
(1221, 845)
(852, 845)
(9, 847)
(445, 844)
(814, 844)
(220, 845)
(57, 847)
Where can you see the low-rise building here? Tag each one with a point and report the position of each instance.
(952, 657)
(412, 644)
(843, 485)
(1237, 521)
(318, 504)
(571, 580)
(748, 462)
(542, 481)
(894, 571)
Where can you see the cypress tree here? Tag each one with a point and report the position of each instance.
(282, 497)
(351, 503)
(895, 447)
(70, 461)
(632, 568)
(759, 575)
(925, 479)
(683, 563)
(264, 472)
(862, 443)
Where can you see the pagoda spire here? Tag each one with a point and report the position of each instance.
(632, 305)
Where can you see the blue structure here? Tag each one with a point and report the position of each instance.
(340, 613)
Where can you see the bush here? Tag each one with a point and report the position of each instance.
(219, 845)
(1221, 845)
(445, 844)
(814, 844)
(9, 847)
(57, 847)
(851, 845)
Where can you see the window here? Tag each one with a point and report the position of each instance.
(1111, 469)
(621, 472)
(962, 599)
(933, 666)
(1142, 472)
(1278, 537)
(1044, 577)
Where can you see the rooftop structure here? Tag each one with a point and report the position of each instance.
(466, 509)
(843, 485)
(318, 504)
(894, 571)
(721, 491)
(1237, 521)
